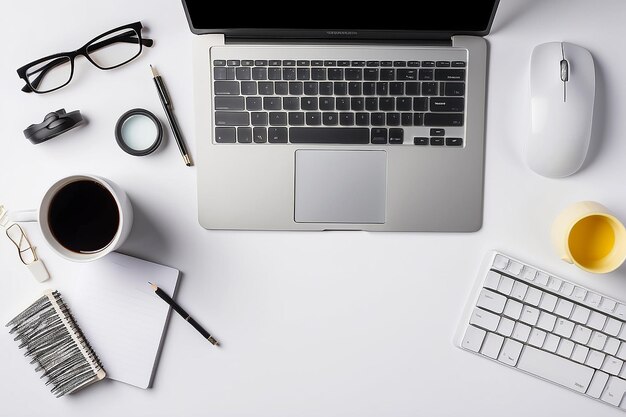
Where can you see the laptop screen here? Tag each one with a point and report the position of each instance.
(340, 20)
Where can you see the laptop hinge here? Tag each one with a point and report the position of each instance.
(265, 41)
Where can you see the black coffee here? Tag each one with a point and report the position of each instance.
(83, 216)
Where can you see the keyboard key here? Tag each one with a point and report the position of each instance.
(362, 119)
(510, 352)
(528, 273)
(564, 308)
(595, 359)
(318, 74)
(399, 63)
(233, 62)
(303, 62)
(407, 74)
(530, 315)
(244, 134)
(597, 384)
(548, 302)
(443, 119)
(326, 88)
(513, 268)
(259, 134)
(289, 63)
(442, 132)
(520, 332)
(450, 74)
(593, 300)
(335, 73)
(447, 104)
(330, 118)
(581, 314)
(248, 88)
(354, 74)
(404, 104)
(219, 63)
(371, 104)
(611, 346)
(261, 62)
(378, 119)
(442, 63)
(607, 305)
(387, 74)
(614, 391)
(358, 63)
(556, 369)
(458, 63)
(330, 63)
(382, 88)
(357, 103)
(313, 119)
(612, 365)
(393, 119)
(229, 103)
(278, 119)
(303, 74)
(291, 103)
(428, 63)
(226, 88)
(613, 326)
(327, 103)
(506, 283)
(537, 337)
(492, 280)
(311, 88)
(225, 134)
(473, 338)
(243, 73)
(281, 88)
(223, 73)
(387, 103)
(343, 63)
(597, 340)
(396, 136)
(346, 119)
(564, 327)
(596, 320)
(426, 75)
(271, 103)
(386, 63)
(565, 349)
(355, 89)
(533, 296)
(454, 141)
(339, 135)
(430, 88)
(296, 88)
(418, 119)
(340, 88)
(369, 89)
(505, 327)
(247, 62)
(551, 343)
(580, 353)
(581, 334)
(420, 104)
(491, 345)
(454, 89)
(436, 141)
(274, 63)
(266, 88)
(254, 103)
(412, 88)
(277, 135)
(379, 137)
(274, 74)
(413, 63)
(231, 118)
(422, 141)
(370, 74)
(309, 103)
(342, 103)
(546, 321)
(406, 119)
(512, 308)
(579, 294)
(500, 262)
(296, 118)
(373, 63)
(259, 118)
(396, 88)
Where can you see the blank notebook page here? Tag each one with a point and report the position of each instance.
(120, 315)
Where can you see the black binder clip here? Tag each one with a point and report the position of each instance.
(53, 125)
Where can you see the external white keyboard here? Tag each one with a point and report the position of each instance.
(529, 319)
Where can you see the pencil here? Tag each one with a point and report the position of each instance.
(183, 313)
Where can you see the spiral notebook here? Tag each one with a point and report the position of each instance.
(119, 313)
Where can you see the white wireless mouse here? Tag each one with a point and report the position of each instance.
(562, 93)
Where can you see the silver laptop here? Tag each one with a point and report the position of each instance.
(371, 123)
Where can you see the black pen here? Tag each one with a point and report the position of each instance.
(167, 106)
(183, 313)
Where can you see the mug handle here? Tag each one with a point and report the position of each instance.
(23, 216)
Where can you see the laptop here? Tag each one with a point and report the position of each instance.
(333, 119)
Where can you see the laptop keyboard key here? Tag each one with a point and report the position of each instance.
(222, 73)
(406, 119)
(369, 89)
(396, 136)
(387, 74)
(229, 103)
(326, 88)
(219, 63)
(447, 104)
(274, 74)
(311, 88)
(378, 119)
(243, 73)
(259, 73)
(258, 118)
(259, 134)
(226, 88)
(370, 74)
(343, 103)
(313, 118)
(340, 88)
(281, 88)
(303, 74)
(327, 103)
(248, 88)
(296, 118)
(271, 103)
(244, 134)
(443, 119)
(318, 74)
(354, 74)
(231, 118)
(420, 104)
(452, 74)
(330, 118)
(346, 119)
(254, 103)
(429, 89)
(382, 88)
(396, 88)
(362, 119)
(371, 104)
(454, 89)
(379, 136)
(225, 134)
(291, 103)
(289, 73)
(426, 74)
(266, 88)
(404, 104)
(339, 135)
(335, 73)
(277, 135)
(357, 103)
(355, 88)
(393, 119)
(407, 74)
(412, 89)
(278, 118)
(296, 88)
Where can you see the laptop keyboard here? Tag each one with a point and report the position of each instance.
(339, 102)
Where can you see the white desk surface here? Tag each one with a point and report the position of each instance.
(312, 324)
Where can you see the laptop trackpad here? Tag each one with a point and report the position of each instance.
(340, 186)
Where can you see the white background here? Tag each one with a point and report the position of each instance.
(312, 324)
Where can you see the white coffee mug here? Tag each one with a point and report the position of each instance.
(41, 215)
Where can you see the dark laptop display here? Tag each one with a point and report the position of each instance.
(436, 20)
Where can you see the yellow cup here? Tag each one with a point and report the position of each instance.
(589, 236)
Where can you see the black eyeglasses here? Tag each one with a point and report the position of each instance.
(110, 50)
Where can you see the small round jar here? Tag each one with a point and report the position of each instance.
(138, 132)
